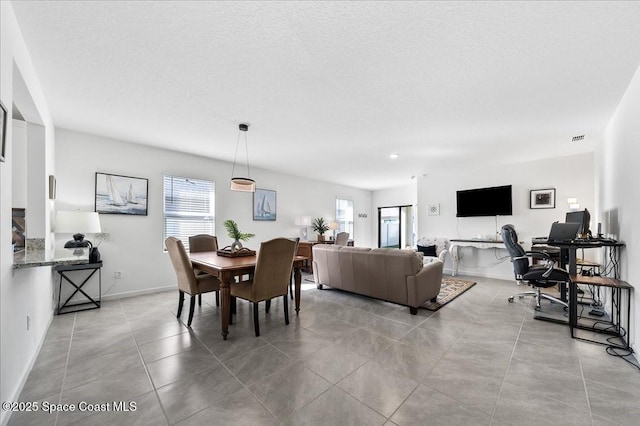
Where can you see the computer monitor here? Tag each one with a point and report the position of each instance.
(583, 218)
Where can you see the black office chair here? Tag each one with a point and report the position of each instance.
(538, 276)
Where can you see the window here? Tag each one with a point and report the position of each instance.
(344, 216)
(189, 208)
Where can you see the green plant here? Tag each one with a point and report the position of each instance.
(234, 232)
(320, 226)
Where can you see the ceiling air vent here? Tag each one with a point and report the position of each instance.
(577, 138)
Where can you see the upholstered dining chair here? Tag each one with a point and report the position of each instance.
(342, 239)
(188, 281)
(271, 277)
(199, 243)
(538, 276)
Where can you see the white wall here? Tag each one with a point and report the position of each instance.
(29, 291)
(570, 176)
(405, 195)
(617, 189)
(136, 242)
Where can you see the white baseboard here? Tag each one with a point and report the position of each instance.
(479, 273)
(138, 292)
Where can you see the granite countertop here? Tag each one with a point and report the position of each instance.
(33, 257)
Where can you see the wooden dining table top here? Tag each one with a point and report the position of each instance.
(212, 259)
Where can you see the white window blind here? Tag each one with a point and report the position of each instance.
(189, 208)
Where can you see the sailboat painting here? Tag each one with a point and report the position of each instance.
(264, 204)
(117, 194)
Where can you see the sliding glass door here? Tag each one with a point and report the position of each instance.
(396, 226)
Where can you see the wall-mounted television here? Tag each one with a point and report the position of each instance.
(494, 201)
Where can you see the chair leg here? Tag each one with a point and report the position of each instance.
(192, 306)
(291, 286)
(200, 299)
(180, 302)
(267, 305)
(554, 299)
(286, 309)
(256, 325)
(217, 298)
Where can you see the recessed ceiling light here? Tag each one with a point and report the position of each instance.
(394, 156)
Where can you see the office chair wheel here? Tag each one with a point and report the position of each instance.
(511, 299)
(537, 308)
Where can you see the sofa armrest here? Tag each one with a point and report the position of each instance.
(425, 285)
(443, 255)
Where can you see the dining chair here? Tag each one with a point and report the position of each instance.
(200, 243)
(342, 239)
(271, 277)
(188, 281)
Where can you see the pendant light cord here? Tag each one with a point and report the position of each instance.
(246, 150)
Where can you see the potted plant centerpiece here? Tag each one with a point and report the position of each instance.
(320, 226)
(234, 232)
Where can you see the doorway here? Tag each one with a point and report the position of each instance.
(396, 226)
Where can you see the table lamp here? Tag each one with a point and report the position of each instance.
(77, 223)
(303, 222)
(333, 225)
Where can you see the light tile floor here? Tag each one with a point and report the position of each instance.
(346, 360)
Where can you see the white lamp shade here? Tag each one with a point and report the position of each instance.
(77, 222)
(303, 221)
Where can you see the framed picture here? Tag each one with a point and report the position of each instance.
(117, 194)
(543, 199)
(3, 131)
(264, 204)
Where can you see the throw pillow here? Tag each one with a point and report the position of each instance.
(428, 250)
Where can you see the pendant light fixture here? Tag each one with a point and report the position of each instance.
(243, 184)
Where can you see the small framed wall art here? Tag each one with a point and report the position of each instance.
(117, 194)
(543, 199)
(264, 204)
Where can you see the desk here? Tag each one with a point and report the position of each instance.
(479, 244)
(570, 248)
(226, 268)
(63, 270)
(610, 327)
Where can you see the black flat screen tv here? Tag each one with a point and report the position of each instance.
(494, 201)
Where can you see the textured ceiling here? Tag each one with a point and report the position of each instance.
(330, 89)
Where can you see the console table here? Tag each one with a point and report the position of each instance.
(91, 303)
(475, 243)
(608, 326)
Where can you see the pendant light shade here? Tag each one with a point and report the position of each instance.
(238, 183)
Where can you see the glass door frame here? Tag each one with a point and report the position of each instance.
(400, 222)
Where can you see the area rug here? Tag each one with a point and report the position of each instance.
(450, 289)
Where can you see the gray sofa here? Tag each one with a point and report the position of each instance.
(393, 275)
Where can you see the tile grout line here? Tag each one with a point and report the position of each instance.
(66, 364)
(144, 365)
(513, 351)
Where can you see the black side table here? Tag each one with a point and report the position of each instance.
(91, 303)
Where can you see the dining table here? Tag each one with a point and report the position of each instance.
(227, 268)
